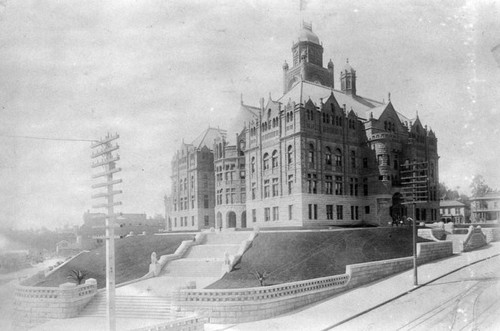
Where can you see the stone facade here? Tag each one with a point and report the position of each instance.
(318, 156)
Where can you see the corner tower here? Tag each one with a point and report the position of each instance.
(307, 54)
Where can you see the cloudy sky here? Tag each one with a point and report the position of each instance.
(160, 71)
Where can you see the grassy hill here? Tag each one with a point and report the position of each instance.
(294, 256)
(133, 256)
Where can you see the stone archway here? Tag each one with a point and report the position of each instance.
(219, 220)
(244, 219)
(231, 219)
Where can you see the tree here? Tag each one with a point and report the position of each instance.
(77, 276)
(447, 194)
(261, 277)
(479, 187)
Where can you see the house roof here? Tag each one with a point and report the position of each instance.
(450, 203)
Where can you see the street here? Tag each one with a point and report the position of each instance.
(464, 300)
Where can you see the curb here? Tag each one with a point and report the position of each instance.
(406, 293)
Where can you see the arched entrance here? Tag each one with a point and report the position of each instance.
(219, 220)
(231, 219)
(244, 219)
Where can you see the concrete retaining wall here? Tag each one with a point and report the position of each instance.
(35, 305)
(251, 304)
(475, 238)
(492, 234)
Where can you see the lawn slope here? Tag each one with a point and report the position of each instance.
(133, 256)
(294, 256)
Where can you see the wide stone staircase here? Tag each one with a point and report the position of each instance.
(206, 260)
(142, 307)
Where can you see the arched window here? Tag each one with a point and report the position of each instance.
(290, 154)
(310, 155)
(266, 161)
(253, 164)
(338, 157)
(328, 156)
(275, 159)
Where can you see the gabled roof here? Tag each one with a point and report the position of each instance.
(207, 137)
(304, 90)
(450, 203)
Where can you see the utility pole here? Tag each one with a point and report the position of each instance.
(415, 189)
(106, 159)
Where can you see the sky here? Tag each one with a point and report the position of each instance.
(159, 72)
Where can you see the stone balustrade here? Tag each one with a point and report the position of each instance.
(156, 268)
(35, 305)
(251, 304)
(194, 323)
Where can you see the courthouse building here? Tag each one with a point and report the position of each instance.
(316, 156)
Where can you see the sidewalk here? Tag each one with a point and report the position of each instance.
(347, 305)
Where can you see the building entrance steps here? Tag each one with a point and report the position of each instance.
(200, 267)
(133, 307)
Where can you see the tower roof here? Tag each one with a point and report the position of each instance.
(306, 34)
(347, 66)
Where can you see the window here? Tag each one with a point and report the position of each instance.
(266, 161)
(267, 214)
(266, 188)
(192, 220)
(175, 221)
(353, 159)
(365, 186)
(205, 181)
(276, 214)
(340, 212)
(192, 201)
(310, 155)
(354, 212)
(313, 211)
(328, 156)
(338, 157)
(290, 154)
(254, 189)
(192, 182)
(338, 185)
(228, 194)
(329, 184)
(367, 210)
(365, 162)
(275, 187)
(175, 205)
(275, 159)
(253, 164)
(290, 184)
(329, 212)
(206, 220)
(205, 201)
(254, 215)
(312, 183)
(290, 212)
